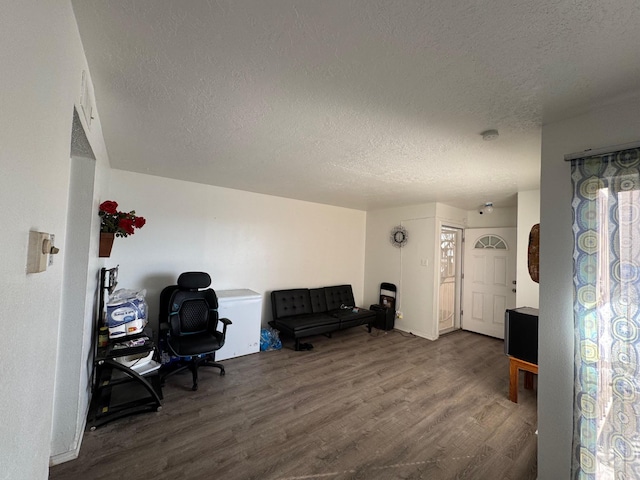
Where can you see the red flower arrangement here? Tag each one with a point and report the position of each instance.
(120, 223)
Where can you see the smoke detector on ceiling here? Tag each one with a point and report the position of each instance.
(489, 135)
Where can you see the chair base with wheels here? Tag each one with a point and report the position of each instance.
(192, 364)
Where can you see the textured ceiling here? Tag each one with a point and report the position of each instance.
(357, 103)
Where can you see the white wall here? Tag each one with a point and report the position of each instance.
(382, 259)
(411, 268)
(79, 298)
(500, 217)
(242, 239)
(611, 125)
(417, 283)
(42, 60)
(527, 291)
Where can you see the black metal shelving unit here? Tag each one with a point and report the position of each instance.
(119, 390)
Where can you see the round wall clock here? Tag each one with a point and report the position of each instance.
(399, 236)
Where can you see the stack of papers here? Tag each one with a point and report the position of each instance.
(146, 368)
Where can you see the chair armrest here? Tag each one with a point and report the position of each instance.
(226, 322)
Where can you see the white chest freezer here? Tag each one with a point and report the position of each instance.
(244, 308)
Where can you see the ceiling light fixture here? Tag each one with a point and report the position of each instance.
(489, 135)
(486, 208)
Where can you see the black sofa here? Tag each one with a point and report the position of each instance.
(302, 312)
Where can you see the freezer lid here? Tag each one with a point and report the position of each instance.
(238, 294)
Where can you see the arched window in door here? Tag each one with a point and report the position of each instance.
(491, 241)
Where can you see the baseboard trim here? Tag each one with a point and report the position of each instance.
(74, 452)
(417, 333)
(64, 457)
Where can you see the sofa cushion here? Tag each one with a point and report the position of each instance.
(339, 296)
(348, 318)
(318, 300)
(305, 325)
(287, 303)
(301, 322)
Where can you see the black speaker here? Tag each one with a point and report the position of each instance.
(385, 317)
(521, 334)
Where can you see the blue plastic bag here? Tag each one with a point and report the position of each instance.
(269, 340)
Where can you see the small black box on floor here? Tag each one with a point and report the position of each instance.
(385, 317)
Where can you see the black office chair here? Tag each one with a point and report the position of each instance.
(189, 325)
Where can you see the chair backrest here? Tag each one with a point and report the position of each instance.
(192, 307)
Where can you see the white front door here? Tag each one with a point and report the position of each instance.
(489, 279)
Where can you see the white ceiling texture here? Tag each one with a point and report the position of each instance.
(364, 104)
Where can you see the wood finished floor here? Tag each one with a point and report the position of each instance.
(374, 406)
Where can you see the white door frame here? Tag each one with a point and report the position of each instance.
(458, 275)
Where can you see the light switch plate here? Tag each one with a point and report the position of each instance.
(36, 260)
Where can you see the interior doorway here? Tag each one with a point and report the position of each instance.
(449, 290)
(74, 363)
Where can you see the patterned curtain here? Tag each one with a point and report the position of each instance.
(606, 255)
